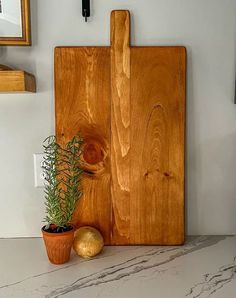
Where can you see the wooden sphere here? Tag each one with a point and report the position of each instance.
(88, 242)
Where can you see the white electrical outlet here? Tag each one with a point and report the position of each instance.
(38, 170)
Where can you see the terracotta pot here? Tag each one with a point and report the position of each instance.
(58, 246)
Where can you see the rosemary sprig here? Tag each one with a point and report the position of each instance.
(62, 170)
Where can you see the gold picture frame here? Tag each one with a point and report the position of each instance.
(25, 39)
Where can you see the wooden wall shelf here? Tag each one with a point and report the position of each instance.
(12, 80)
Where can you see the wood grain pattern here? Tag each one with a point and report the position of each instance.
(129, 103)
(16, 81)
(82, 85)
(120, 126)
(157, 150)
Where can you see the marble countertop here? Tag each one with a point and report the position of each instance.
(204, 267)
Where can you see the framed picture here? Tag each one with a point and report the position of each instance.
(15, 22)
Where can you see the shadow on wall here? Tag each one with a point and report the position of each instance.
(219, 183)
(3, 51)
(210, 172)
(192, 162)
(210, 183)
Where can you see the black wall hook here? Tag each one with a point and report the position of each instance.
(86, 9)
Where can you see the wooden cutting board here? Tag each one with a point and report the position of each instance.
(129, 105)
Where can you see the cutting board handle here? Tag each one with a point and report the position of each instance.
(120, 29)
(120, 122)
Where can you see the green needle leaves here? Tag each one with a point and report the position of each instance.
(62, 170)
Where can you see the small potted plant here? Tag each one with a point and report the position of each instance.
(62, 170)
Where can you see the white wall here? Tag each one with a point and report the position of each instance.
(206, 27)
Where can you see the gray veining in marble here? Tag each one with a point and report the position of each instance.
(204, 267)
(213, 282)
